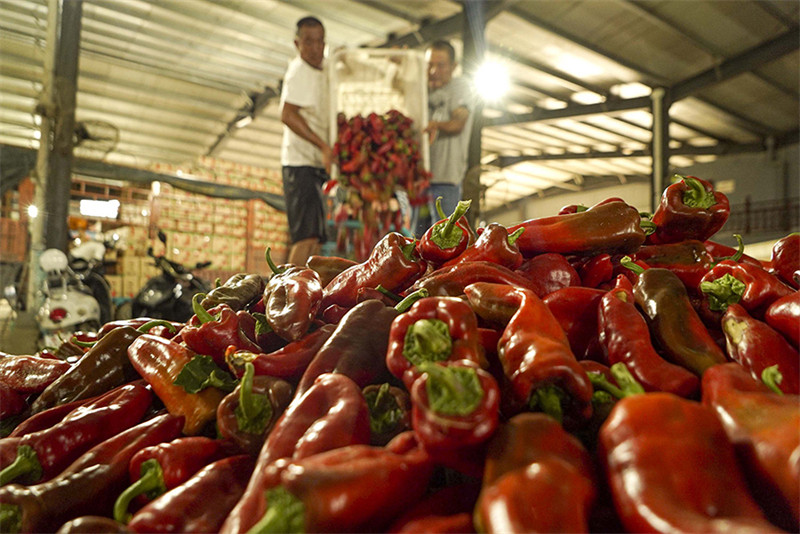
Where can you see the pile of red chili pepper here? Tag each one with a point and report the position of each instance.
(377, 155)
(591, 371)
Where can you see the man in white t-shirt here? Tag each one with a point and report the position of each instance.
(305, 153)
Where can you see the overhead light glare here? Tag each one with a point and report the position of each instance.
(491, 81)
(106, 209)
(631, 90)
(244, 121)
(586, 97)
(33, 211)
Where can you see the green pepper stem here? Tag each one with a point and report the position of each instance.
(739, 250)
(628, 263)
(629, 384)
(149, 325)
(447, 378)
(26, 463)
(461, 209)
(151, 481)
(274, 268)
(394, 296)
(409, 301)
(548, 399)
(202, 314)
(427, 340)
(649, 227)
(10, 518)
(408, 249)
(601, 383)
(439, 210)
(254, 411)
(512, 238)
(696, 195)
(285, 514)
(84, 344)
(772, 378)
(723, 291)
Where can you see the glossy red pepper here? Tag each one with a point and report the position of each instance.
(612, 227)
(167, 329)
(764, 427)
(88, 486)
(29, 374)
(47, 418)
(445, 239)
(752, 287)
(575, 309)
(288, 362)
(11, 404)
(447, 509)
(211, 332)
(159, 361)
(157, 469)
(331, 414)
(674, 324)
(549, 272)
(495, 244)
(534, 352)
(392, 264)
(434, 329)
(451, 281)
(197, 505)
(688, 259)
(328, 267)
(671, 468)
(596, 270)
(538, 478)
(784, 316)
(785, 259)
(44, 454)
(292, 297)
(689, 208)
(756, 346)
(239, 291)
(626, 338)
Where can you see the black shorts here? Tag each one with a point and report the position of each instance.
(302, 191)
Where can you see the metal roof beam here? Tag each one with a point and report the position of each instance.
(749, 60)
(571, 111)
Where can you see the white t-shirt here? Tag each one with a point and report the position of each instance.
(306, 87)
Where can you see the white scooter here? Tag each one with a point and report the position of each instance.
(76, 296)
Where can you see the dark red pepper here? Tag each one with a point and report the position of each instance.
(625, 336)
(392, 264)
(534, 352)
(88, 486)
(328, 267)
(157, 469)
(389, 412)
(237, 292)
(447, 238)
(451, 281)
(756, 346)
(331, 414)
(445, 510)
(549, 272)
(292, 297)
(612, 227)
(575, 309)
(434, 329)
(29, 374)
(44, 454)
(495, 244)
(201, 503)
(211, 332)
(596, 270)
(785, 259)
(690, 208)
(689, 260)
(752, 287)
(784, 316)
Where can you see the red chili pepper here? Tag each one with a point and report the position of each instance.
(751, 287)
(447, 238)
(671, 468)
(247, 414)
(447, 509)
(612, 227)
(765, 429)
(288, 362)
(392, 264)
(291, 299)
(197, 505)
(534, 352)
(212, 332)
(549, 272)
(596, 270)
(11, 404)
(784, 316)
(47, 418)
(673, 322)
(167, 329)
(357, 488)
(689, 260)
(575, 309)
(160, 361)
(723, 252)
(451, 281)
(331, 414)
(88, 486)
(434, 329)
(157, 469)
(625, 336)
(496, 245)
(538, 478)
(328, 267)
(756, 346)
(238, 291)
(42, 455)
(29, 374)
(785, 259)
(690, 208)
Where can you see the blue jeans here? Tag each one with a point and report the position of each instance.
(451, 195)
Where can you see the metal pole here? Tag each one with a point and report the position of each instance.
(660, 144)
(474, 49)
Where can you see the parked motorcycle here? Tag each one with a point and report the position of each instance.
(168, 295)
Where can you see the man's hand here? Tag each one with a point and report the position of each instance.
(327, 158)
(432, 130)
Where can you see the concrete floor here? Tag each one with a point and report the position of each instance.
(18, 331)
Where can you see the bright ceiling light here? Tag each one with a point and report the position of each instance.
(33, 211)
(491, 81)
(630, 90)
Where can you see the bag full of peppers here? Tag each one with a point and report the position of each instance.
(588, 371)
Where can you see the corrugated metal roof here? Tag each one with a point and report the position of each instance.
(166, 80)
